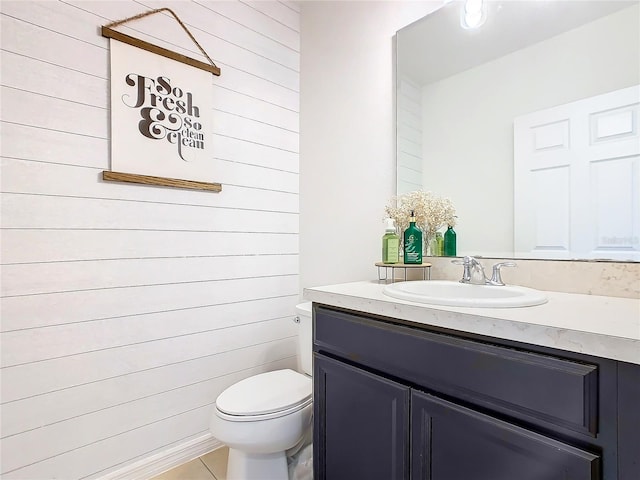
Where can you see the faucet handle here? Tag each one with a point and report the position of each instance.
(467, 262)
(496, 278)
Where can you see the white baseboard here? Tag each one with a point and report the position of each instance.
(161, 462)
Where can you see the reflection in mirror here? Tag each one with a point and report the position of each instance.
(529, 124)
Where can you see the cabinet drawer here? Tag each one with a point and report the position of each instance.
(541, 389)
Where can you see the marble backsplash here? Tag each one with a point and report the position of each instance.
(614, 279)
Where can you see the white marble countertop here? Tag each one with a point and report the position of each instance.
(606, 327)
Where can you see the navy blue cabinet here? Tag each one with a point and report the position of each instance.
(451, 442)
(394, 400)
(365, 424)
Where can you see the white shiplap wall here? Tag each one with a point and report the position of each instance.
(409, 147)
(126, 309)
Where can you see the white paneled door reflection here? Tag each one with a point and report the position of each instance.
(577, 179)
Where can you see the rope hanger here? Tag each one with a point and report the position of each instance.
(109, 32)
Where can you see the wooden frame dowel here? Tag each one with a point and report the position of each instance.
(150, 47)
(109, 176)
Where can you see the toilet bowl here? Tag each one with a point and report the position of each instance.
(262, 417)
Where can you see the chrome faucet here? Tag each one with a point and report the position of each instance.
(474, 272)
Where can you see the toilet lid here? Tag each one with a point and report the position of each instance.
(265, 393)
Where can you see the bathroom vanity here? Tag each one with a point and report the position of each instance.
(410, 391)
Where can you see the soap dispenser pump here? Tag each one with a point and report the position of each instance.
(412, 242)
(390, 243)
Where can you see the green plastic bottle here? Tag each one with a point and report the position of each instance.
(390, 244)
(412, 242)
(439, 245)
(450, 242)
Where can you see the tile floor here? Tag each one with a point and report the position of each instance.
(212, 466)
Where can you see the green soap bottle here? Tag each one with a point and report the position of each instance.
(390, 244)
(412, 242)
(450, 242)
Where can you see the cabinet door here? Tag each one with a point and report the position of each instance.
(361, 424)
(450, 442)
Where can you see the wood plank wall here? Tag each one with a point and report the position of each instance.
(126, 309)
(409, 108)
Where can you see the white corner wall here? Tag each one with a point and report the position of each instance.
(347, 127)
(126, 309)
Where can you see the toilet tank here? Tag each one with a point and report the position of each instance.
(305, 342)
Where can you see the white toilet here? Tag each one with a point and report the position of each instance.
(260, 418)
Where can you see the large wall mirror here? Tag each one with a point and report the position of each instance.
(528, 123)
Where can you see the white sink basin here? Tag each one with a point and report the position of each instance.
(456, 294)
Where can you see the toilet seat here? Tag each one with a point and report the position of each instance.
(265, 396)
(264, 416)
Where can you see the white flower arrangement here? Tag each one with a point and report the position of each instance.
(432, 212)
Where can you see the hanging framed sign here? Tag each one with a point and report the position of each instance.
(161, 114)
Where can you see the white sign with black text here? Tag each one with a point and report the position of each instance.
(161, 113)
